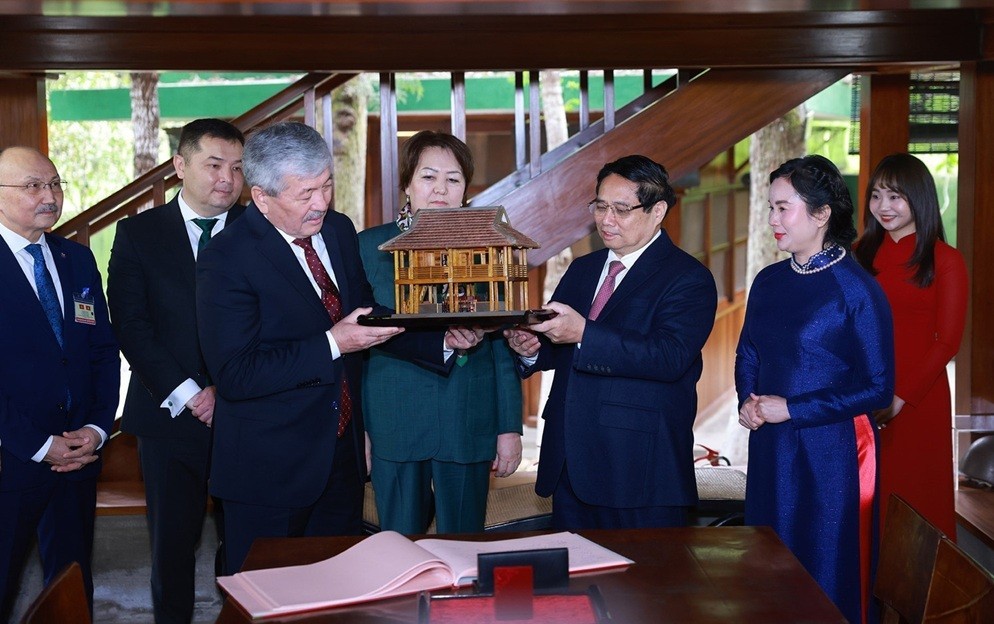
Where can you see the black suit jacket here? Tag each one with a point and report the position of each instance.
(37, 375)
(622, 406)
(263, 331)
(151, 286)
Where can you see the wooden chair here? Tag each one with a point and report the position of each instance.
(908, 550)
(62, 601)
(961, 592)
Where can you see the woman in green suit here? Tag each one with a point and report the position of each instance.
(435, 439)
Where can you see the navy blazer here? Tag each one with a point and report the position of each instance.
(262, 330)
(37, 376)
(622, 406)
(151, 287)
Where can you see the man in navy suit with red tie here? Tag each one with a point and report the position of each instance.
(59, 378)
(278, 296)
(617, 450)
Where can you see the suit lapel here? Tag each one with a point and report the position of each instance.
(331, 243)
(644, 268)
(63, 264)
(18, 295)
(176, 243)
(278, 252)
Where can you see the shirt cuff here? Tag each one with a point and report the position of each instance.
(40, 455)
(100, 432)
(446, 351)
(528, 361)
(335, 351)
(176, 402)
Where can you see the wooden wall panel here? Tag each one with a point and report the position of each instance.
(883, 126)
(719, 353)
(23, 120)
(975, 362)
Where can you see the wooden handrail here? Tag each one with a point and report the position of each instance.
(151, 187)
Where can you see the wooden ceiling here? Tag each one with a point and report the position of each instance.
(464, 35)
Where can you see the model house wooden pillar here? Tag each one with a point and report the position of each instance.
(975, 362)
(883, 126)
(22, 111)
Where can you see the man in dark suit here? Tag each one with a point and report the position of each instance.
(617, 451)
(170, 404)
(59, 378)
(278, 296)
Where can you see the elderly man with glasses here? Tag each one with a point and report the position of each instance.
(617, 451)
(59, 378)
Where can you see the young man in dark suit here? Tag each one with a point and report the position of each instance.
(170, 403)
(59, 378)
(617, 450)
(278, 296)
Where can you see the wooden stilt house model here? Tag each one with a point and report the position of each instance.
(460, 260)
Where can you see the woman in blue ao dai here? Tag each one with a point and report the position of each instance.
(815, 356)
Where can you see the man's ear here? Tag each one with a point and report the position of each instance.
(179, 164)
(261, 199)
(660, 208)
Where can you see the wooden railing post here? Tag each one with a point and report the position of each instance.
(459, 105)
(535, 121)
(388, 146)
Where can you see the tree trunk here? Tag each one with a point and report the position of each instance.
(145, 120)
(770, 147)
(349, 148)
(556, 133)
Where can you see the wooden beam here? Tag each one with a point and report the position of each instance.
(683, 131)
(22, 109)
(490, 42)
(975, 221)
(883, 126)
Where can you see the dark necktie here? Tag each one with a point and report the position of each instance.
(206, 227)
(46, 291)
(607, 288)
(333, 304)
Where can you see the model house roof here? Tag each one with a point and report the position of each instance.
(460, 228)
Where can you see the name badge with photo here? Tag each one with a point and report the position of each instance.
(84, 306)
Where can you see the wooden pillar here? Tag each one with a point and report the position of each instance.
(975, 222)
(883, 126)
(22, 109)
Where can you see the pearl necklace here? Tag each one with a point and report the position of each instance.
(820, 261)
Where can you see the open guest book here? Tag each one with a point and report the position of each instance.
(388, 564)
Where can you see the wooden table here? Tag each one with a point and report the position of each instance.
(975, 512)
(729, 574)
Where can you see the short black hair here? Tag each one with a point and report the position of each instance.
(190, 135)
(651, 177)
(819, 183)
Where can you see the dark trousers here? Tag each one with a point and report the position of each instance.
(61, 513)
(338, 511)
(570, 513)
(175, 474)
(409, 493)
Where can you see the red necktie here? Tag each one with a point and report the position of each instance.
(607, 288)
(333, 304)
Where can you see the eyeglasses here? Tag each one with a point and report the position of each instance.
(36, 188)
(621, 212)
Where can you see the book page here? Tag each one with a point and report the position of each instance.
(385, 564)
(583, 553)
